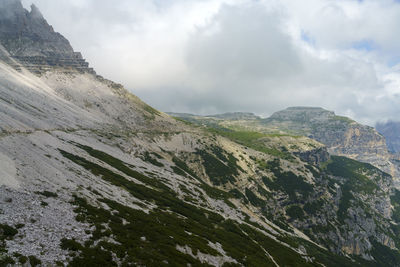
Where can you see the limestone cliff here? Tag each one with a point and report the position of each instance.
(31, 41)
(341, 135)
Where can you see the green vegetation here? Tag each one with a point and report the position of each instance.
(383, 255)
(342, 119)
(295, 212)
(34, 261)
(219, 171)
(47, 194)
(254, 200)
(151, 238)
(252, 140)
(148, 158)
(237, 194)
(294, 186)
(395, 200)
(355, 180)
(151, 111)
(184, 167)
(313, 207)
(6, 233)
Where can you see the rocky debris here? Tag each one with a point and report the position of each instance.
(33, 43)
(40, 227)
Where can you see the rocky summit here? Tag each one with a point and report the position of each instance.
(30, 40)
(90, 175)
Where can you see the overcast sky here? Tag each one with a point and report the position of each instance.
(213, 56)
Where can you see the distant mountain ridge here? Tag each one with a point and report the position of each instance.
(391, 131)
(342, 136)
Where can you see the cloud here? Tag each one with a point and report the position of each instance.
(216, 56)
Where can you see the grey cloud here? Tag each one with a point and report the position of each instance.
(243, 60)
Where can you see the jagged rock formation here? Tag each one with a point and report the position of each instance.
(33, 43)
(391, 131)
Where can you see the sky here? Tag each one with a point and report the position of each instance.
(215, 56)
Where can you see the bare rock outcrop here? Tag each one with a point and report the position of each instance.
(33, 43)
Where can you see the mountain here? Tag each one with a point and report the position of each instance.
(341, 135)
(92, 176)
(32, 42)
(391, 131)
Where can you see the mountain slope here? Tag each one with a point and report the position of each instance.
(341, 135)
(90, 175)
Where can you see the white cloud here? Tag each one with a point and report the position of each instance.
(242, 55)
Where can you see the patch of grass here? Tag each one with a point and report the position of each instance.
(254, 200)
(6, 261)
(183, 166)
(7, 232)
(354, 173)
(252, 140)
(219, 172)
(148, 158)
(295, 212)
(237, 194)
(395, 201)
(174, 222)
(342, 119)
(47, 194)
(312, 208)
(384, 256)
(34, 261)
(294, 186)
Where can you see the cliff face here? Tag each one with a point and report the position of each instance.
(31, 41)
(341, 135)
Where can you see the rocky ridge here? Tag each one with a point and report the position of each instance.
(341, 135)
(33, 43)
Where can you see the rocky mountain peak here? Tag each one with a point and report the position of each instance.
(31, 41)
(35, 12)
(303, 114)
